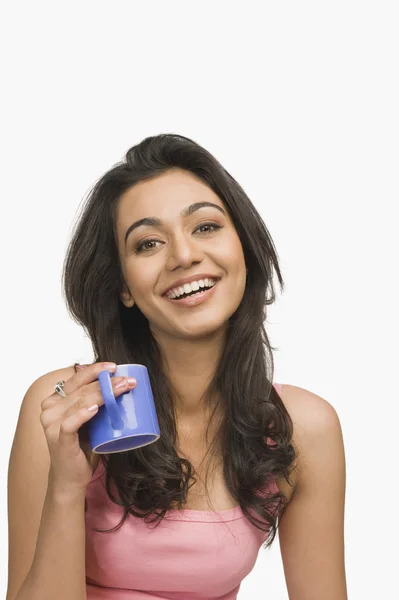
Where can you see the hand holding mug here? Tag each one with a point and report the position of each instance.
(127, 423)
(61, 419)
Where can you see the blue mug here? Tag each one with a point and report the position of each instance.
(128, 421)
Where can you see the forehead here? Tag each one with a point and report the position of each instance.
(164, 196)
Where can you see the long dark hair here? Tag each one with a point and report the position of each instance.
(154, 479)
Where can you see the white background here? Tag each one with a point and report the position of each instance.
(299, 101)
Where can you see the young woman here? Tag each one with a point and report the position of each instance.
(172, 267)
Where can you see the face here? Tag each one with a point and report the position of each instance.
(181, 257)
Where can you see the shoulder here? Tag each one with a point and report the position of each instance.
(316, 425)
(43, 386)
(48, 380)
(309, 411)
(311, 529)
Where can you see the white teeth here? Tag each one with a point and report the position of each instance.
(194, 286)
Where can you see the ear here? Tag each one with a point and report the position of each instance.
(126, 298)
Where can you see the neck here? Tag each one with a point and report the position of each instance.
(190, 366)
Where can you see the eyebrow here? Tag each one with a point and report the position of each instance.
(186, 212)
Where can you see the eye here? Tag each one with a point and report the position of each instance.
(146, 245)
(208, 227)
(151, 244)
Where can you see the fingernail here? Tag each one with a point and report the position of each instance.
(120, 383)
(110, 366)
(131, 380)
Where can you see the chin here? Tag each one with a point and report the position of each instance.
(198, 332)
(191, 328)
(201, 327)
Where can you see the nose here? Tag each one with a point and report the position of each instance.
(183, 252)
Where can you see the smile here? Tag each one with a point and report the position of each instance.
(192, 294)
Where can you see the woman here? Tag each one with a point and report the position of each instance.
(172, 267)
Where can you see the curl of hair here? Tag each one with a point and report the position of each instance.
(153, 479)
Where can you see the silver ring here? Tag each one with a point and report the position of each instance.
(59, 388)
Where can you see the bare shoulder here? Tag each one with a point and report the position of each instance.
(43, 387)
(40, 388)
(314, 419)
(315, 512)
(46, 382)
(308, 411)
(28, 424)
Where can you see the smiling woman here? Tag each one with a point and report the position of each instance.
(173, 230)
(157, 225)
(171, 266)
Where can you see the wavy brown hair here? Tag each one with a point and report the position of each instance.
(153, 479)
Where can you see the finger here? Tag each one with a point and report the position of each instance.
(87, 375)
(71, 424)
(92, 394)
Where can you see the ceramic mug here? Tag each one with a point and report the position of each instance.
(128, 421)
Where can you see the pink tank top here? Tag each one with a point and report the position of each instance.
(192, 554)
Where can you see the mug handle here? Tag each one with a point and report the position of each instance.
(110, 404)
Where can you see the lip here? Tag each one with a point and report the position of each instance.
(195, 300)
(196, 277)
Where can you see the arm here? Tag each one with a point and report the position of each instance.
(311, 531)
(46, 529)
(58, 568)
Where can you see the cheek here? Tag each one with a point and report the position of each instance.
(233, 255)
(141, 280)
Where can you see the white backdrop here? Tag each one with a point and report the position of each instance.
(300, 104)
